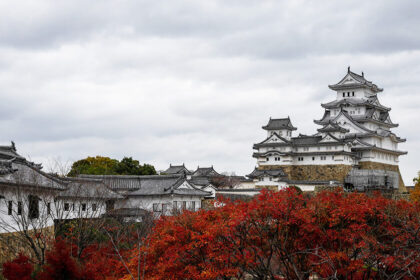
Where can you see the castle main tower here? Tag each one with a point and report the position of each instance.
(354, 146)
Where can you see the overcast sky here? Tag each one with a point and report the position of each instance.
(194, 81)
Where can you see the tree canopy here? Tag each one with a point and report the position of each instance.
(107, 166)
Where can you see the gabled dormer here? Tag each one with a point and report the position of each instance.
(328, 138)
(334, 129)
(344, 120)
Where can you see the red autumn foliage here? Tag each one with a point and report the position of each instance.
(286, 235)
(19, 269)
(61, 265)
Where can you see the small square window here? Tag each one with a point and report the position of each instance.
(83, 206)
(66, 207)
(94, 207)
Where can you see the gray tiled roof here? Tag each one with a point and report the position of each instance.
(277, 124)
(306, 140)
(177, 169)
(15, 170)
(205, 172)
(118, 182)
(146, 185)
(88, 188)
(127, 212)
(370, 102)
(360, 82)
(6, 167)
(28, 176)
(201, 181)
(9, 152)
(275, 173)
(332, 127)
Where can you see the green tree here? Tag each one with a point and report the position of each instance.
(94, 165)
(106, 166)
(129, 166)
(148, 169)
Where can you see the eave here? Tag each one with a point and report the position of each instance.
(354, 86)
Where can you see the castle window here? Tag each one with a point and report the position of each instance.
(66, 207)
(268, 159)
(155, 207)
(313, 158)
(33, 207)
(352, 93)
(323, 157)
(10, 208)
(344, 94)
(306, 149)
(19, 212)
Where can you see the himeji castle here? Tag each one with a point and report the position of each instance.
(354, 145)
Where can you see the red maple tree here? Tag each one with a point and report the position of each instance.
(286, 235)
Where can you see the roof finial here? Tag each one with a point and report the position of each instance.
(348, 69)
(13, 146)
(363, 74)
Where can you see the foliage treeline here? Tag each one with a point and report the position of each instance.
(107, 166)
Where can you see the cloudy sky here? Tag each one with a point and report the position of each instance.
(194, 81)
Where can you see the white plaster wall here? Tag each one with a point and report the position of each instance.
(146, 202)
(307, 160)
(15, 222)
(245, 185)
(76, 210)
(358, 93)
(381, 157)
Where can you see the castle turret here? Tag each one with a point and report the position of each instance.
(282, 127)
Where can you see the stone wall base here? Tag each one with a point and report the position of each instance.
(11, 244)
(330, 172)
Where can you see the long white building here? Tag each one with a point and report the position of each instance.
(354, 145)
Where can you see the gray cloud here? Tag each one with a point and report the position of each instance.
(194, 81)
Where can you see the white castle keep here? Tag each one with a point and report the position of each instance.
(354, 146)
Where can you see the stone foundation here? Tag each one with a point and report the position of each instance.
(11, 244)
(383, 166)
(270, 187)
(331, 172)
